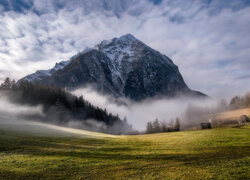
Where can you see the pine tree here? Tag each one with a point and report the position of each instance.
(177, 124)
(164, 127)
(124, 120)
(6, 84)
(149, 128)
(156, 126)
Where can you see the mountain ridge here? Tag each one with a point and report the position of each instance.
(122, 67)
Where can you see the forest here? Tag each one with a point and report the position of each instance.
(61, 107)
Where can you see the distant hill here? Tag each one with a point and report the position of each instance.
(232, 115)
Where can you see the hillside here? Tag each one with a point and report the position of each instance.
(222, 153)
(233, 114)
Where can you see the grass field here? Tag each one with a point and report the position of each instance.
(233, 114)
(222, 153)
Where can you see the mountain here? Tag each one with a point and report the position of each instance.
(122, 67)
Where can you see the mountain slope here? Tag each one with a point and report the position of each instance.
(122, 67)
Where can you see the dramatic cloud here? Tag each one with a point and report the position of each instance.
(208, 40)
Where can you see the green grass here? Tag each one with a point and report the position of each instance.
(222, 153)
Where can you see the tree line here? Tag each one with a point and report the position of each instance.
(157, 127)
(238, 102)
(60, 106)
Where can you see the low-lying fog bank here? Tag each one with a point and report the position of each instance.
(190, 111)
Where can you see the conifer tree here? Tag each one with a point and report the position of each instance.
(177, 125)
(149, 128)
(156, 126)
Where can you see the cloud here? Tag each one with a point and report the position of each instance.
(208, 40)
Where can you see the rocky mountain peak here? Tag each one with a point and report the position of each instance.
(125, 40)
(122, 67)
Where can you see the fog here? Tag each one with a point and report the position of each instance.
(191, 111)
(15, 117)
(27, 119)
(9, 110)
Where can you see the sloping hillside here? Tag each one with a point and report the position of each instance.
(233, 115)
(222, 153)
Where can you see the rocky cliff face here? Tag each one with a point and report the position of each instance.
(122, 67)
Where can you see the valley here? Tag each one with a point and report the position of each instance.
(124, 89)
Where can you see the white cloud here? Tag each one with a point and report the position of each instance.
(211, 49)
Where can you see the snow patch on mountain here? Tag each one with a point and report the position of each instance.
(118, 48)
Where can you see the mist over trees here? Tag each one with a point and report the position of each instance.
(238, 102)
(61, 107)
(8, 84)
(159, 127)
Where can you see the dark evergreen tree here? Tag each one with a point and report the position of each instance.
(156, 126)
(149, 129)
(177, 125)
(164, 127)
(6, 84)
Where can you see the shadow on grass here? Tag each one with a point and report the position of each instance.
(126, 153)
(73, 152)
(107, 149)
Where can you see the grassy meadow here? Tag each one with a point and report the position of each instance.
(221, 153)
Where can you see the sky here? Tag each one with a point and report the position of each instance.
(209, 40)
